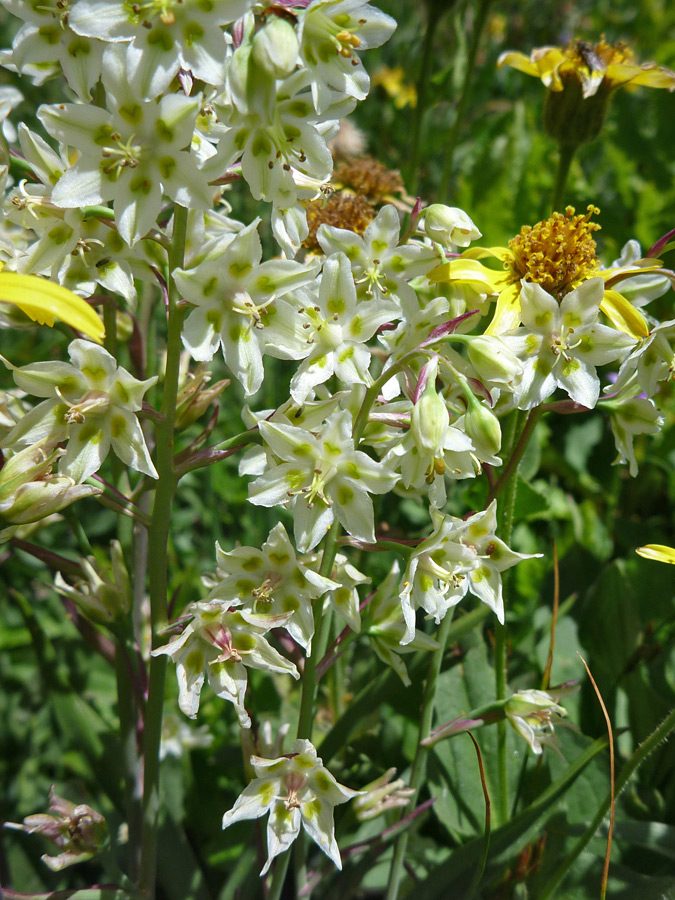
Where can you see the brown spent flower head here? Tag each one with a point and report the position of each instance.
(558, 253)
(342, 210)
(367, 176)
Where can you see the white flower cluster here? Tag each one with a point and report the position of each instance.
(400, 374)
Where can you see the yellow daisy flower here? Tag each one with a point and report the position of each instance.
(558, 254)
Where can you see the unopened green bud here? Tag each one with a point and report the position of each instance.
(572, 119)
(30, 492)
(493, 360)
(483, 428)
(381, 795)
(430, 420)
(449, 225)
(105, 595)
(275, 48)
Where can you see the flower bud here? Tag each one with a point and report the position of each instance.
(533, 714)
(28, 490)
(275, 48)
(379, 796)
(483, 428)
(77, 830)
(493, 360)
(449, 225)
(105, 595)
(569, 117)
(430, 420)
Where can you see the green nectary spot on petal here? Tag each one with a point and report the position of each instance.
(312, 809)
(346, 354)
(397, 263)
(131, 113)
(320, 361)
(289, 604)
(326, 51)
(118, 426)
(79, 47)
(261, 145)
(251, 564)
(341, 20)
(122, 394)
(586, 344)
(570, 365)
(239, 268)
(240, 138)
(351, 252)
(479, 574)
(303, 450)
(210, 286)
(193, 33)
(531, 343)
(194, 661)
(140, 184)
(341, 596)
(245, 643)
(299, 578)
(542, 319)
(379, 246)
(266, 792)
(333, 449)
(90, 433)
(345, 495)
(336, 305)
(571, 320)
(236, 333)
(351, 469)
(164, 131)
(322, 782)
(291, 133)
(102, 135)
(542, 366)
(299, 108)
(265, 284)
(49, 33)
(95, 374)
(161, 37)
(214, 319)
(426, 582)
(356, 326)
(280, 558)
(60, 233)
(166, 166)
(295, 479)
(244, 585)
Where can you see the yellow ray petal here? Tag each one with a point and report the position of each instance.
(43, 301)
(659, 552)
(467, 271)
(507, 311)
(623, 315)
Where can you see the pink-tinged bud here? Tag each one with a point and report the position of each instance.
(449, 225)
(77, 830)
(275, 48)
(105, 595)
(483, 428)
(379, 796)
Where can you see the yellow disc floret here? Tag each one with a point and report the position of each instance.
(558, 253)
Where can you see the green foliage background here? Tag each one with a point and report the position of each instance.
(57, 702)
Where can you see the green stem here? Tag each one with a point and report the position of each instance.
(110, 323)
(422, 95)
(646, 747)
(419, 766)
(565, 157)
(127, 711)
(280, 869)
(453, 137)
(158, 537)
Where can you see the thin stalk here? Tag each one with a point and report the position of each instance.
(508, 483)
(419, 766)
(646, 747)
(110, 323)
(127, 710)
(453, 136)
(158, 538)
(422, 96)
(279, 877)
(565, 157)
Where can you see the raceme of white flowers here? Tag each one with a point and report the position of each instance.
(395, 384)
